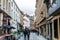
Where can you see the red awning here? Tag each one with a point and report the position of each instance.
(8, 34)
(5, 35)
(2, 36)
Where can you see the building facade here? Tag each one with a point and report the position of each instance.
(41, 17)
(54, 18)
(9, 16)
(48, 18)
(32, 23)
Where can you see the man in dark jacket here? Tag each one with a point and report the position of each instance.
(26, 33)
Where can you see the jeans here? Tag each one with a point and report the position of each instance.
(24, 37)
(28, 36)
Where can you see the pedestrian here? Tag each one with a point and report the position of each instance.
(14, 38)
(28, 33)
(25, 33)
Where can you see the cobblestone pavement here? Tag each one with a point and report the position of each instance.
(33, 36)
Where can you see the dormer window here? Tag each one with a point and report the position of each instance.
(52, 2)
(41, 14)
(47, 2)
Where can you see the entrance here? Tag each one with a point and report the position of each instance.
(59, 28)
(50, 31)
(41, 30)
(56, 28)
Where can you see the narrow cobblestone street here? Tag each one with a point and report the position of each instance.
(33, 36)
(37, 19)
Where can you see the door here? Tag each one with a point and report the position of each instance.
(50, 31)
(56, 28)
(59, 28)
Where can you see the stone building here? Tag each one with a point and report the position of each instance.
(48, 18)
(32, 22)
(9, 17)
(53, 19)
(21, 19)
(41, 17)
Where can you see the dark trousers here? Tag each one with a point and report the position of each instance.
(28, 36)
(24, 37)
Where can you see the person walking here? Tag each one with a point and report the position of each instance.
(28, 34)
(25, 33)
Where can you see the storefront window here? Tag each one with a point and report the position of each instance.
(53, 1)
(59, 25)
(1, 32)
(56, 28)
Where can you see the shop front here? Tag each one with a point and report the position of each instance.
(56, 27)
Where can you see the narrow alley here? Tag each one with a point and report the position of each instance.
(34, 36)
(36, 19)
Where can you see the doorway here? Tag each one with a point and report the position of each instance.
(50, 31)
(59, 28)
(56, 28)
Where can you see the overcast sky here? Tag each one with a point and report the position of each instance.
(27, 6)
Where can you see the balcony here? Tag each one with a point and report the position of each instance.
(54, 7)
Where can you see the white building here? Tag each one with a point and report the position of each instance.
(9, 14)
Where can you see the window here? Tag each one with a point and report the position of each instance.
(0, 19)
(50, 31)
(12, 4)
(0, 1)
(53, 1)
(41, 14)
(9, 7)
(46, 1)
(8, 21)
(6, 4)
(3, 4)
(56, 28)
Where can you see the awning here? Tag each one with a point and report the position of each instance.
(8, 27)
(2, 36)
(8, 34)
(5, 35)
